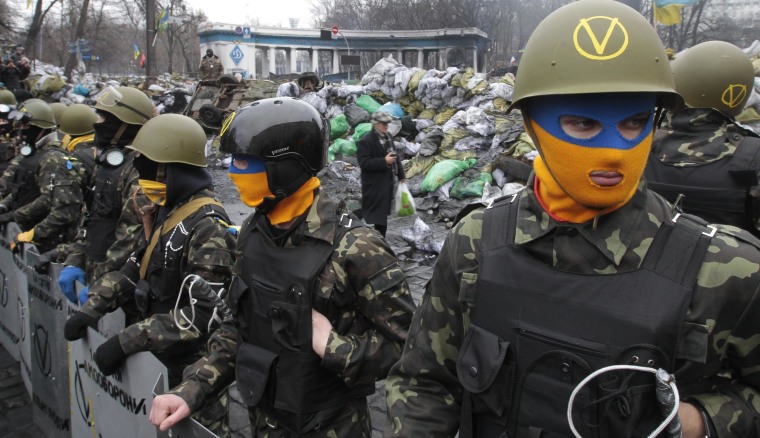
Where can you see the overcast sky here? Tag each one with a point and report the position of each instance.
(269, 12)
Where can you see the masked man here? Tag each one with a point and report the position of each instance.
(549, 312)
(320, 301)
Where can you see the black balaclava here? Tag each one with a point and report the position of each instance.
(182, 181)
(106, 131)
(31, 134)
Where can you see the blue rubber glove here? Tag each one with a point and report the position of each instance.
(66, 280)
(83, 295)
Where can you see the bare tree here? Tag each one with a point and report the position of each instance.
(41, 9)
(78, 22)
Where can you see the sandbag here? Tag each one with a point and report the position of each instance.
(470, 185)
(361, 130)
(341, 148)
(443, 172)
(338, 126)
(393, 109)
(355, 114)
(368, 103)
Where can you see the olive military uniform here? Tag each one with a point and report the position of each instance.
(718, 349)
(361, 290)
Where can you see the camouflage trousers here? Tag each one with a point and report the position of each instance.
(353, 422)
(214, 414)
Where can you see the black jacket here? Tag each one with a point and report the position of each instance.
(377, 178)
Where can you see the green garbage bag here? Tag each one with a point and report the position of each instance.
(470, 187)
(338, 126)
(368, 103)
(443, 172)
(341, 148)
(361, 130)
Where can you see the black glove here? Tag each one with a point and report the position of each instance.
(6, 217)
(109, 356)
(76, 326)
(43, 263)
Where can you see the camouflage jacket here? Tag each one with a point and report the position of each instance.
(367, 336)
(129, 229)
(6, 181)
(58, 208)
(424, 393)
(713, 136)
(208, 253)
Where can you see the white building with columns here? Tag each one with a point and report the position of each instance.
(255, 51)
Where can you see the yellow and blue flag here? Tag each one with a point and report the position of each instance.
(663, 3)
(668, 15)
(137, 52)
(162, 20)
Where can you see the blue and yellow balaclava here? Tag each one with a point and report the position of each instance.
(579, 179)
(250, 176)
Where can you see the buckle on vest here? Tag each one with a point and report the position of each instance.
(711, 233)
(343, 217)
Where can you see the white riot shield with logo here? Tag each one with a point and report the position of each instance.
(111, 406)
(48, 311)
(19, 281)
(10, 318)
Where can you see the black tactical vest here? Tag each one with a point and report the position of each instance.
(536, 332)
(718, 192)
(277, 370)
(86, 160)
(24, 185)
(167, 262)
(104, 208)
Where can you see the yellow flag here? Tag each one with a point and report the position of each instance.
(668, 15)
(28, 4)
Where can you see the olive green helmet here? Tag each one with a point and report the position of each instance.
(172, 138)
(78, 119)
(714, 75)
(128, 104)
(7, 98)
(58, 109)
(39, 112)
(594, 46)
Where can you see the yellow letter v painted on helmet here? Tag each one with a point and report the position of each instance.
(600, 47)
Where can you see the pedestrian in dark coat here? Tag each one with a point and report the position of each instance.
(379, 164)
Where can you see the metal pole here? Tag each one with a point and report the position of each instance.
(151, 30)
(349, 53)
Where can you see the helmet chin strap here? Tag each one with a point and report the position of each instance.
(268, 203)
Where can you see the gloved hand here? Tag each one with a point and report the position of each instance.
(43, 263)
(24, 237)
(3, 208)
(76, 326)
(83, 295)
(6, 217)
(109, 356)
(66, 280)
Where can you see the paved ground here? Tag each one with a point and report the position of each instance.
(15, 404)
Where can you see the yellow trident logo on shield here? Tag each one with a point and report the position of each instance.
(600, 50)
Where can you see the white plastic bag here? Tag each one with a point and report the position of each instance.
(404, 201)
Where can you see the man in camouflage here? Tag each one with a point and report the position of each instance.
(189, 239)
(584, 269)
(321, 304)
(211, 66)
(112, 225)
(7, 148)
(45, 197)
(703, 153)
